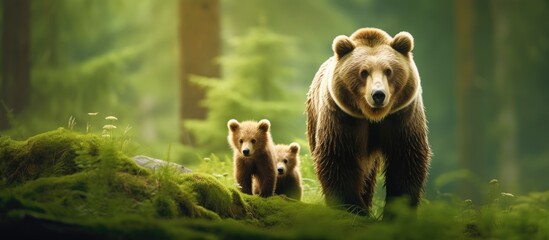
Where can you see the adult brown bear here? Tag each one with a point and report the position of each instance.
(364, 109)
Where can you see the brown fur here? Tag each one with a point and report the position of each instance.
(350, 137)
(289, 175)
(288, 180)
(259, 162)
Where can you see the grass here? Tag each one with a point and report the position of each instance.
(67, 184)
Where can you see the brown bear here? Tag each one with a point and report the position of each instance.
(254, 155)
(288, 181)
(364, 108)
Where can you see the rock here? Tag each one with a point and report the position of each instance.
(153, 163)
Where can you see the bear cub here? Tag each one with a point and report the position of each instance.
(254, 156)
(289, 176)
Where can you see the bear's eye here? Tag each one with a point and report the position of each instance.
(285, 160)
(241, 141)
(364, 74)
(253, 141)
(388, 72)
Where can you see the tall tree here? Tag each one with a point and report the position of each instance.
(15, 82)
(200, 44)
(467, 145)
(258, 75)
(506, 117)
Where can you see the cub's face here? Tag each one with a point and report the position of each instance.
(374, 74)
(248, 137)
(287, 158)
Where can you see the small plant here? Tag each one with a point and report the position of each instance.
(72, 123)
(108, 128)
(126, 139)
(89, 124)
(494, 189)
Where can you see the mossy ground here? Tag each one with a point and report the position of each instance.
(70, 185)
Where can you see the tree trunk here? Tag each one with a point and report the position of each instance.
(506, 119)
(15, 82)
(464, 94)
(199, 38)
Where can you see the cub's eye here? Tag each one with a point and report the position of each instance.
(241, 141)
(364, 74)
(253, 141)
(388, 72)
(285, 160)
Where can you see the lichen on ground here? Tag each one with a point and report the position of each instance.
(67, 184)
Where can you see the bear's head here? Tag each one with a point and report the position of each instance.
(249, 137)
(373, 74)
(287, 157)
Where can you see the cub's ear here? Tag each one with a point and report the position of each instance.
(264, 125)
(294, 147)
(233, 125)
(342, 45)
(403, 42)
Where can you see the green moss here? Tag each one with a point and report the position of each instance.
(10, 203)
(47, 154)
(301, 220)
(171, 201)
(213, 195)
(57, 153)
(66, 184)
(79, 195)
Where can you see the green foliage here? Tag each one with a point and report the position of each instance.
(221, 168)
(311, 187)
(112, 57)
(257, 84)
(114, 198)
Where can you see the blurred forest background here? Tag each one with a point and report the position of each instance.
(175, 71)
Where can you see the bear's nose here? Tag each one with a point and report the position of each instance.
(246, 152)
(280, 170)
(379, 97)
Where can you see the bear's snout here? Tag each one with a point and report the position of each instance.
(379, 97)
(246, 151)
(280, 168)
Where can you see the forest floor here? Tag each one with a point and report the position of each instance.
(66, 185)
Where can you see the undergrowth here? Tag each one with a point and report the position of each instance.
(67, 184)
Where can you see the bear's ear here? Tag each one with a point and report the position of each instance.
(403, 42)
(233, 125)
(342, 45)
(264, 125)
(294, 147)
